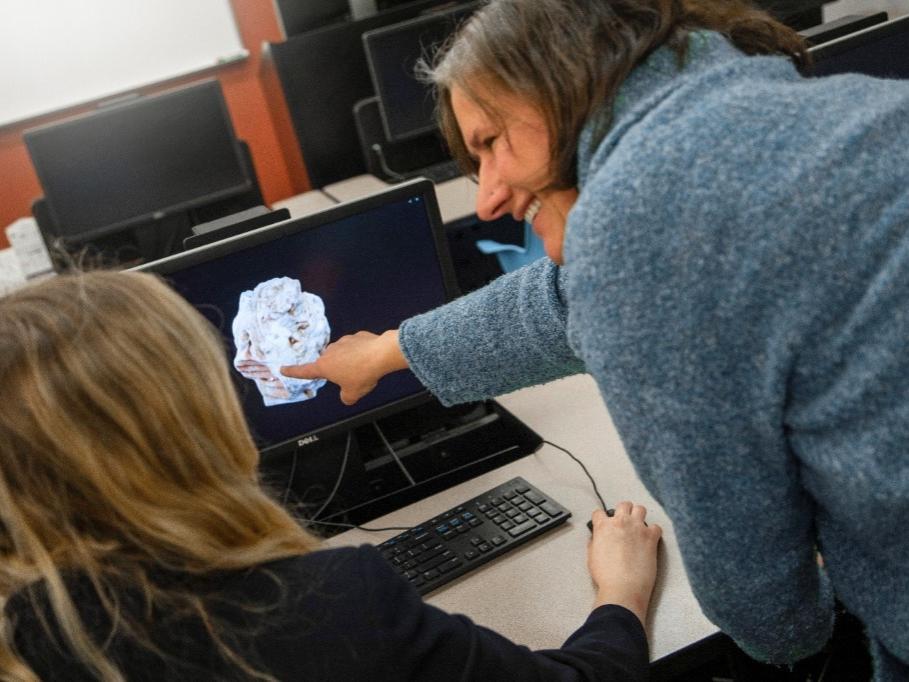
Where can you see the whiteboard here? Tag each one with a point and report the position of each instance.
(59, 53)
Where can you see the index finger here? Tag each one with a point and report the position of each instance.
(307, 371)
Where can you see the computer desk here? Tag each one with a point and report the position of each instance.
(457, 197)
(540, 593)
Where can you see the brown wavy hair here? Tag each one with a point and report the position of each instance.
(569, 58)
(123, 453)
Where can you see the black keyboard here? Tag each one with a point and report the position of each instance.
(469, 535)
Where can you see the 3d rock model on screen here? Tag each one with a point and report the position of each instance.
(279, 324)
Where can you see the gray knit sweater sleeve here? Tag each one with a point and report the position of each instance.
(505, 336)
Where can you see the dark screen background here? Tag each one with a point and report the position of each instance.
(372, 271)
(884, 57)
(126, 164)
(392, 52)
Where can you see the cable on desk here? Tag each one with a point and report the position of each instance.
(354, 525)
(290, 479)
(315, 517)
(394, 454)
(596, 490)
(334, 490)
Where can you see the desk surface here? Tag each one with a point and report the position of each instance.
(457, 197)
(541, 592)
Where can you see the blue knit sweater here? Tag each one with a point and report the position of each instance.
(737, 282)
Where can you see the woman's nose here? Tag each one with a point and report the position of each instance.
(493, 197)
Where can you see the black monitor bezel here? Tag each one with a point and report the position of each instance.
(863, 37)
(117, 110)
(376, 75)
(232, 245)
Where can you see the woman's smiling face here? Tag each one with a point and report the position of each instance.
(514, 167)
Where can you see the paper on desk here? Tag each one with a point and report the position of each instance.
(28, 245)
(11, 275)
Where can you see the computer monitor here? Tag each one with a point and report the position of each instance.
(280, 293)
(137, 162)
(323, 74)
(881, 50)
(299, 16)
(406, 105)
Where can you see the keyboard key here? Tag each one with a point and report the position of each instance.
(533, 497)
(523, 528)
(449, 565)
(550, 509)
(497, 540)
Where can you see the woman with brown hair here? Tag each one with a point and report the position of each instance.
(137, 542)
(728, 249)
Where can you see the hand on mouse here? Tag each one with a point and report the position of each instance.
(622, 558)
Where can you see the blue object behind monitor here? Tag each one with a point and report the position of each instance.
(372, 263)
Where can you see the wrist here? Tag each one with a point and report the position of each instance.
(637, 606)
(391, 357)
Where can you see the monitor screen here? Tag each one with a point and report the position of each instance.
(138, 161)
(881, 50)
(299, 16)
(406, 105)
(279, 294)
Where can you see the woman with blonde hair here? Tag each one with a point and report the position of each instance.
(138, 543)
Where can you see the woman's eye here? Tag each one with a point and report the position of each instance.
(487, 142)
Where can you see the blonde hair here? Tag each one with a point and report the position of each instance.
(570, 57)
(123, 451)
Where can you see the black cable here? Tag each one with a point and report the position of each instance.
(354, 525)
(596, 490)
(315, 518)
(337, 485)
(290, 480)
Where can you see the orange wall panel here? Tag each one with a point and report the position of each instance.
(280, 173)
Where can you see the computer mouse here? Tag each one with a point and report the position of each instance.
(609, 512)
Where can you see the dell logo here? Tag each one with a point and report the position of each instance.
(307, 441)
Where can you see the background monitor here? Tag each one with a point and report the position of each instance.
(323, 74)
(299, 16)
(881, 50)
(363, 265)
(406, 105)
(139, 161)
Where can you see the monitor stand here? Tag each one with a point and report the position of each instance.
(396, 461)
